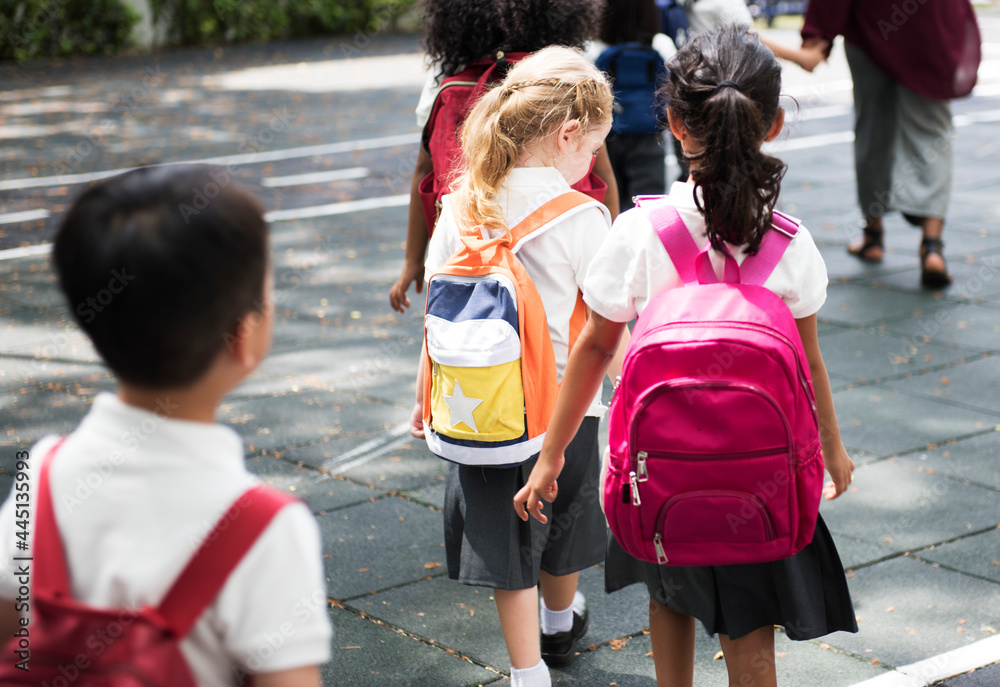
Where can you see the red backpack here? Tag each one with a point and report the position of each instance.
(441, 136)
(72, 643)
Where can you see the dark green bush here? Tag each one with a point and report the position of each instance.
(60, 28)
(197, 22)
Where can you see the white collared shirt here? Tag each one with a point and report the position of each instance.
(134, 493)
(633, 267)
(557, 261)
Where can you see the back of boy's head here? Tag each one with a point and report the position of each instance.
(159, 265)
(541, 93)
(724, 87)
(460, 32)
(630, 21)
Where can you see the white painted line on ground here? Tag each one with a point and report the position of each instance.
(968, 118)
(806, 142)
(339, 208)
(239, 159)
(26, 252)
(315, 177)
(949, 664)
(25, 216)
(361, 454)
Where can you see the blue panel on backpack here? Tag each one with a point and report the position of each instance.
(479, 300)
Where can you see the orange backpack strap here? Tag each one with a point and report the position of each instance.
(544, 216)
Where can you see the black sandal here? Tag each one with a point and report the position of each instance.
(933, 279)
(872, 238)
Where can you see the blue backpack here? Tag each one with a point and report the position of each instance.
(635, 70)
(673, 20)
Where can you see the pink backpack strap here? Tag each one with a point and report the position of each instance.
(757, 268)
(51, 574)
(219, 554)
(674, 236)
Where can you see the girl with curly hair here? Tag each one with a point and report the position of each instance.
(460, 33)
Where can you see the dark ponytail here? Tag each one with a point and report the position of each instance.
(724, 87)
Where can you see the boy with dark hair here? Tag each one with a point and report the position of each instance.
(177, 304)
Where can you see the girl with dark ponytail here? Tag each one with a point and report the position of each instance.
(722, 100)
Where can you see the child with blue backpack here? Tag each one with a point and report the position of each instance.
(723, 94)
(524, 143)
(636, 71)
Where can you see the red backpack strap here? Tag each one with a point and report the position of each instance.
(757, 268)
(223, 548)
(51, 573)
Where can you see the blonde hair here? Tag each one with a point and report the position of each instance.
(541, 93)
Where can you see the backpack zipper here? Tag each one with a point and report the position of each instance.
(695, 384)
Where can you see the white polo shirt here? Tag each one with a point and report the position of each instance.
(633, 267)
(557, 261)
(134, 493)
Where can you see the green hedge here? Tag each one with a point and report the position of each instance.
(61, 28)
(199, 22)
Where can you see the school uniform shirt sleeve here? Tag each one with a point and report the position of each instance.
(272, 613)
(444, 241)
(590, 233)
(630, 268)
(800, 278)
(432, 85)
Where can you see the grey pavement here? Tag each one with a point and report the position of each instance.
(915, 373)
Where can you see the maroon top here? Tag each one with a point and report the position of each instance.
(931, 47)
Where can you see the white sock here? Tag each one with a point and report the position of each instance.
(536, 676)
(579, 604)
(556, 621)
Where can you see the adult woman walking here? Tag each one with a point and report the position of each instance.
(908, 60)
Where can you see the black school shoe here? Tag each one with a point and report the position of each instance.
(559, 649)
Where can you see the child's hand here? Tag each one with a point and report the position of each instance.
(840, 466)
(541, 485)
(417, 421)
(397, 295)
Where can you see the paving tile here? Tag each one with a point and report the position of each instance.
(984, 677)
(265, 422)
(366, 654)
(970, 326)
(872, 354)
(909, 610)
(882, 421)
(79, 378)
(407, 468)
(380, 544)
(29, 416)
(972, 384)
(897, 507)
(861, 305)
(975, 555)
(976, 459)
(28, 332)
(322, 492)
(975, 277)
(342, 447)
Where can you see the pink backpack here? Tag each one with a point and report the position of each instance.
(69, 642)
(714, 442)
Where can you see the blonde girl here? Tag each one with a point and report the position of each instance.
(524, 143)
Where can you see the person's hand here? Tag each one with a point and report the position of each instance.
(417, 421)
(811, 54)
(541, 485)
(397, 295)
(840, 466)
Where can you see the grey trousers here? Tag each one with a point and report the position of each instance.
(902, 144)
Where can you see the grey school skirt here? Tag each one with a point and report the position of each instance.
(488, 545)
